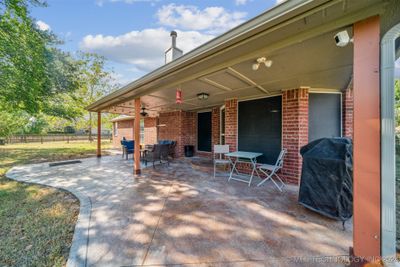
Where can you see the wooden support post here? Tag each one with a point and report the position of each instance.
(98, 134)
(136, 136)
(366, 147)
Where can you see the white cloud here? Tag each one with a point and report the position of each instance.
(42, 25)
(210, 19)
(241, 2)
(101, 2)
(144, 49)
(280, 1)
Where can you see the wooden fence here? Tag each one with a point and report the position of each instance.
(42, 138)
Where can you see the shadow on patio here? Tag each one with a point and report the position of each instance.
(182, 215)
(214, 222)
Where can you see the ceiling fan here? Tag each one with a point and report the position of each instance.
(143, 113)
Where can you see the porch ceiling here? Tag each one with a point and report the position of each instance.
(316, 63)
(303, 52)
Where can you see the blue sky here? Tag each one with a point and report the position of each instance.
(133, 34)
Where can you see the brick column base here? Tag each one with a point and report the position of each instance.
(348, 106)
(215, 126)
(294, 131)
(231, 120)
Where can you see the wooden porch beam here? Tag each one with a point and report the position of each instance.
(136, 134)
(98, 134)
(215, 84)
(246, 79)
(366, 147)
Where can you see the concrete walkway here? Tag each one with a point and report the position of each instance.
(181, 215)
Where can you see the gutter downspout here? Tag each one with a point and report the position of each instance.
(388, 143)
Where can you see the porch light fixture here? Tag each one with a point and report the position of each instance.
(262, 60)
(203, 96)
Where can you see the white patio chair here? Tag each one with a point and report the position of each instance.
(219, 150)
(271, 170)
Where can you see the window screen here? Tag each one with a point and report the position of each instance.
(260, 127)
(324, 116)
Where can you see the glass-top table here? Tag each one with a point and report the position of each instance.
(244, 157)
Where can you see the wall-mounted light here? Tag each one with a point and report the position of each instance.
(262, 60)
(203, 96)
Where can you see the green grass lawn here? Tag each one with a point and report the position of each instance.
(37, 223)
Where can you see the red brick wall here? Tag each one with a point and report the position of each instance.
(188, 131)
(150, 130)
(180, 126)
(215, 124)
(347, 111)
(125, 129)
(231, 120)
(294, 131)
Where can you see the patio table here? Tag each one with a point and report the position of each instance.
(245, 157)
(144, 149)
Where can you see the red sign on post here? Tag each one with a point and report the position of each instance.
(178, 98)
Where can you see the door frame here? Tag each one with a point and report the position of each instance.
(197, 131)
(388, 142)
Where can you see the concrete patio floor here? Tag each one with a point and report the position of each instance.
(181, 215)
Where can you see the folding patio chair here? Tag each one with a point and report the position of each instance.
(271, 170)
(219, 150)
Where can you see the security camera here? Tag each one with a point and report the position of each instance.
(342, 38)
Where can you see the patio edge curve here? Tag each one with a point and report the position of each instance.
(79, 246)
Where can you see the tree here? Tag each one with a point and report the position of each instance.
(39, 82)
(11, 123)
(33, 72)
(95, 82)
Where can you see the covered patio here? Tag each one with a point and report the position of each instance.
(180, 215)
(277, 82)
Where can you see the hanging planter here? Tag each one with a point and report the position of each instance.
(178, 96)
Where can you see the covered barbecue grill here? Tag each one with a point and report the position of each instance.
(326, 183)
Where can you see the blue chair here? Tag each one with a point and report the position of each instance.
(128, 147)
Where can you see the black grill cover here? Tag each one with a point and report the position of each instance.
(326, 183)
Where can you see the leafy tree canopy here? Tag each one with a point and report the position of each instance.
(41, 87)
(35, 76)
